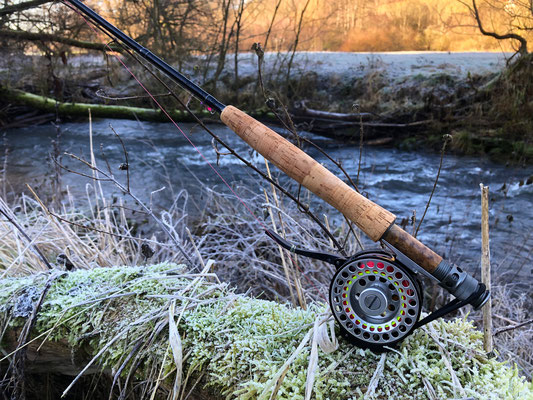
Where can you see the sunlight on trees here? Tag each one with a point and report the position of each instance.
(216, 28)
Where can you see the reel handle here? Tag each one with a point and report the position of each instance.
(372, 219)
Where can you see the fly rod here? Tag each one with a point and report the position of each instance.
(374, 295)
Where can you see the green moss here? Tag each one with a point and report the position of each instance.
(240, 343)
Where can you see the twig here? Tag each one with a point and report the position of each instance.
(512, 327)
(485, 267)
(337, 163)
(281, 253)
(447, 138)
(361, 141)
(126, 165)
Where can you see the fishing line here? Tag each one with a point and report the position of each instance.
(185, 135)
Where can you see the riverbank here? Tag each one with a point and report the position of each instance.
(409, 100)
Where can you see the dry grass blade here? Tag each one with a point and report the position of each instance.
(7, 213)
(93, 360)
(327, 345)
(273, 383)
(446, 358)
(177, 349)
(376, 377)
(313, 362)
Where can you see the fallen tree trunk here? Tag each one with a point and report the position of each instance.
(49, 105)
(161, 324)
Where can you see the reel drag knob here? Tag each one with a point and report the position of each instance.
(375, 300)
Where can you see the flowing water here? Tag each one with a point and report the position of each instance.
(400, 181)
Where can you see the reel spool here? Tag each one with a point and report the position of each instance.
(375, 300)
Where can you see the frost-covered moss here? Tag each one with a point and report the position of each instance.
(240, 343)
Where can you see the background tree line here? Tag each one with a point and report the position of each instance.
(215, 28)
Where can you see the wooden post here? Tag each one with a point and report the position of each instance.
(485, 267)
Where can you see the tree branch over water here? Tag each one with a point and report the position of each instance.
(48, 37)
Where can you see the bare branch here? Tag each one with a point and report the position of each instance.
(523, 42)
(48, 37)
(22, 6)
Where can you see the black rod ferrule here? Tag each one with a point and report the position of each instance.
(179, 78)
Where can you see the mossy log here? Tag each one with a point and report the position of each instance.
(157, 323)
(49, 105)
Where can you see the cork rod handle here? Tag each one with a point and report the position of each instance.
(372, 219)
(368, 216)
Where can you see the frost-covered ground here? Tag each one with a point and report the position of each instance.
(396, 64)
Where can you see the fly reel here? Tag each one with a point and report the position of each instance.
(375, 299)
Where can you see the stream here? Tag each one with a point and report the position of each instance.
(400, 181)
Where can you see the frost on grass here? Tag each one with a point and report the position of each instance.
(235, 346)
